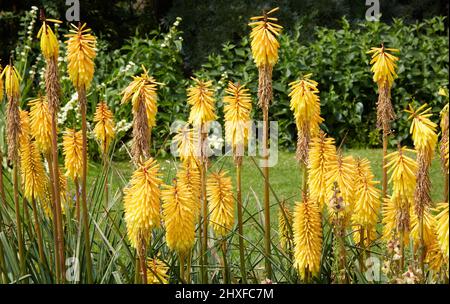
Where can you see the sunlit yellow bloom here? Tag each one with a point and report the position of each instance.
(367, 204)
(72, 150)
(142, 203)
(40, 124)
(157, 272)
(423, 130)
(201, 99)
(264, 41)
(32, 169)
(322, 159)
(429, 228)
(307, 228)
(442, 227)
(189, 176)
(12, 81)
(237, 108)
(24, 131)
(443, 92)
(49, 42)
(403, 171)
(383, 65)
(219, 191)
(188, 144)
(143, 89)
(80, 56)
(444, 144)
(104, 127)
(305, 103)
(179, 217)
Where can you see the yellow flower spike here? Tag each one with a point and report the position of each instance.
(442, 229)
(219, 191)
(157, 272)
(187, 141)
(443, 92)
(12, 81)
(72, 146)
(383, 65)
(49, 42)
(305, 103)
(237, 108)
(444, 144)
(367, 203)
(307, 229)
(104, 127)
(24, 133)
(344, 175)
(423, 130)
(33, 173)
(142, 203)
(201, 99)
(143, 88)
(403, 171)
(40, 124)
(264, 41)
(189, 177)
(180, 214)
(322, 159)
(429, 228)
(80, 56)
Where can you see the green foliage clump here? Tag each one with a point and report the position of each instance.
(338, 60)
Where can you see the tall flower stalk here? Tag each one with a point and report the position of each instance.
(265, 47)
(80, 56)
(201, 99)
(142, 93)
(143, 208)
(238, 106)
(444, 148)
(50, 50)
(383, 68)
(33, 175)
(396, 209)
(104, 133)
(221, 206)
(12, 82)
(425, 138)
(2, 188)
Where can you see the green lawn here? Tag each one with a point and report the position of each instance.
(285, 177)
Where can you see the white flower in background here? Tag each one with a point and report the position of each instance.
(215, 142)
(72, 104)
(123, 126)
(34, 8)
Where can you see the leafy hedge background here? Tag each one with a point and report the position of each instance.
(336, 57)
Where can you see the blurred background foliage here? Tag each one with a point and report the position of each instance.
(209, 39)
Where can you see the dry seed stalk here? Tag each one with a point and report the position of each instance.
(141, 133)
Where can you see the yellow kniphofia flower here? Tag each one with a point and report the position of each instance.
(383, 65)
(442, 216)
(423, 130)
(219, 191)
(104, 127)
(187, 143)
(264, 41)
(402, 169)
(305, 103)
(40, 124)
(444, 144)
(322, 159)
(24, 131)
(49, 42)
(307, 228)
(12, 81)
(72, 150)
(429, 228)
(367, 202)
(33, 173)
(157, 272)
(143, 88)
(142, 203)
(237, 108)
(80, 56)
(189, 176)
(201, 99)
(180, 214)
